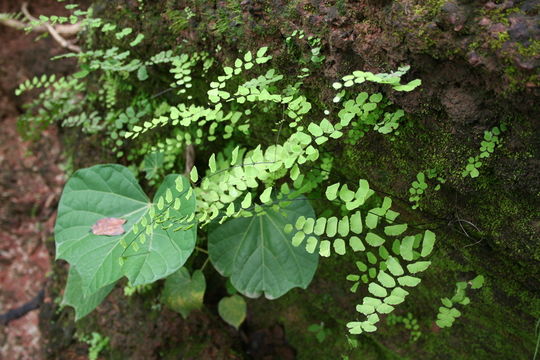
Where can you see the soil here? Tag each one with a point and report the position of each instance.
(30, 184)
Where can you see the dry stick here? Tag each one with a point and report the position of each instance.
(54, 33)
(62, 29)
(190, 159)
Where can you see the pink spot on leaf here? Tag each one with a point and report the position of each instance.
(109, 226)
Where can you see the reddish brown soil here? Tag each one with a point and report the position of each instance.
(30, 184)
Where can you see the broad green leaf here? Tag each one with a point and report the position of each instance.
(233, 310)
(427, 244)
(152, 163)
(259, 256)
(73, 295)
(111, 191)
(164, 251)
(184, 293)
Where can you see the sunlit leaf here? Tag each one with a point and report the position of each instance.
(259, 256)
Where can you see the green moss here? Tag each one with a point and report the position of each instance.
(499, 14)
(532, 50)
(497, 43)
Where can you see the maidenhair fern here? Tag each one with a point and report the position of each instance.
(409, 322)
(253, 201)
(419, 186)
(487, 147)
(448, 312)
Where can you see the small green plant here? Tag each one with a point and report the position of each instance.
(448, 313)
(313, 42)
(315, 45)
(140, 289)
(97, 343)
(419, 186)
(487, 147)
(410, 323)
(321, 333)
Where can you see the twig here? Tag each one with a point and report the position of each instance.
(190, 159)
(54, 33)
(66, 30)
(459, 221)
(22, 310)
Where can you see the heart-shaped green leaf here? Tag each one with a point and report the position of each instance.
(258, 254)
(233, 310)
(152, 163)
(184, 293)
(73, 295)
(104, 191)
